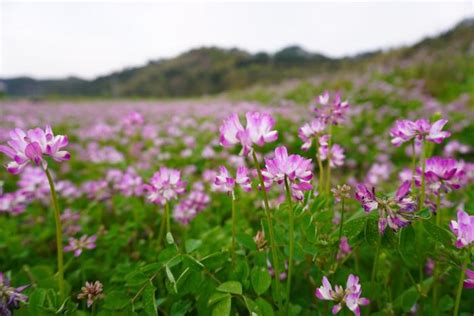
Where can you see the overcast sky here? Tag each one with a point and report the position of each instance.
(90, 38)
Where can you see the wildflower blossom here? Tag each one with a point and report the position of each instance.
(165, 185)
(463, 228)
(294, 167)
(260, 240)
(225, 182)
(257, 132)
(469, 282)
(442, 174)
(309, 131)
(330, 111)
(344, 248)
(70, 220)
(91, 292)
(10, 297)
(25, 147)
(406, 130)
(341, 192)
(350, 297)
(14, 203)
(271, 271)
(396, 212)
(193, 204)
(78, 245)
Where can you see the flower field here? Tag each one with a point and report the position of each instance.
(356, 203)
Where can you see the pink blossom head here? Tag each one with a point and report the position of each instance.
(165, 185)
(463, 229)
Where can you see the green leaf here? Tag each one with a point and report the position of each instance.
(437, 233)
(169, 238)
(247, 241)
(353, 227)
(36, 301)
(407, 247)
(216, 297)
(171, 278)
(149, 302)
(407, 299)
(116, 300)
(232, 287)
(192, 244)
(424, 213)
(446, 303)
(260, 279)
(136, 278)
(222, 307)
(265, 307)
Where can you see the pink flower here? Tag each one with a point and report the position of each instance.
(165, 185)
(469, 282)
(406, 130)
(335, 153)
(78, 245)
(463, 229)
(396, 212)
(350, 297)
(30, 146)
(344, 248)
(294, 167)
(257, 132)
(225, 182)
(442, 174)
(309, 131)
(330, 112)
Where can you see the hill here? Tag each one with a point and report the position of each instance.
(212, 70)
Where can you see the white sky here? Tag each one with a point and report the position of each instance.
(89, 38)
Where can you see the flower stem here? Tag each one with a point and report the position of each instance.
(291, 237)
(375, 265)
(59, 235)
(413, 169)
(342, 220)
(438, 210)
(436, 270)
(460, 285)
(328, 180)
(161, 233)
(423, 167)
(233, 228)
(168, 217)
(270, 230)
(320, 166)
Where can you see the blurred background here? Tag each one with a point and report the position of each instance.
(250, 50)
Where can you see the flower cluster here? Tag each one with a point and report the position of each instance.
(463, 228)
(25, 147)
(258, 131)
(10, 297)
(91, 292)
(294, 168)
(406, 130)
(350, 297)
(396, 212)
(311, 130)
(78, 245)
(165, 185)
(187, 209)
(330, 110)
(226, 183)
(441, 174)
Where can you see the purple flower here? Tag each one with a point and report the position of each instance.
(11, 297)
(406, 130)
(30, 146)
(225, 182)
(344, 248)
(294, 167)
(91, 292)
(257, 132)
(350, 297)
(78, 245)
(396, 212)
(330, 111)
(271, 271)
(309, 131)
(469, 282)
(165, 185)
(463, 228)
(442, 174)
(185, 211)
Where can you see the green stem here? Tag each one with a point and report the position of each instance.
(320, 166)
(168, 217)
(59, 235)
(375, 265)
(268, 214)
(328, 179)
(161, 233)
(436, 270)
(342, 221)
(291, 237)
(233, 228)
(423, 167)
(438, 210)
(413, 169)
(460, 285)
